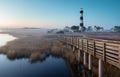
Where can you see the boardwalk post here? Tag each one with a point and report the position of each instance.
(64, 39)
(79, 53)
(73, 48)
(119, 56)
(104, 53)
(70, 40)
(108, 51)
(100, 68)
(86, 45)
(94, 49)
(77, 42)
(90, 62)
(85, 59)
(82, 44)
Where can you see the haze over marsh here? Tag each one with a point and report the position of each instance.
(59, 38)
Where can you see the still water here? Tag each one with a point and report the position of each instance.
(4, 38)
(50, 67)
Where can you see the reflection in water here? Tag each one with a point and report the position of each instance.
(56, 61)
(4, 38)
(43, 65)
(51, 67)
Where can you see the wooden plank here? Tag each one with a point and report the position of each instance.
(99, 42)
(90, 42)
(112, 44)
(111, 47)
(82, 44)
(90, 49)
(119, 56)
(115, 60)
(90, 46)
(98, 51)
(112, 52)
(108, 50)
(112, 62)
(90, 52)
(99, 45)
(94, 50)
(87, 46)
(97, 48)
(99, 55)
(112, 56)
(104, 52)
(78, 42)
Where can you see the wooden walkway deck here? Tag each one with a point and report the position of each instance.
(105, 50)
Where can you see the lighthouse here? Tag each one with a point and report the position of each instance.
(82, 28)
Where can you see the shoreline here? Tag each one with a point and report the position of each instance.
(6, 38)
(37, 48)
(30, 44)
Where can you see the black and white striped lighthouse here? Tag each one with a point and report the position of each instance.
(82, 28)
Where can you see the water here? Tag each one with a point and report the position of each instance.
(51, 67)
(4, 38)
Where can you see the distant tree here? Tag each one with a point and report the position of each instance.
(60, 32)
(75, 28)
(84, 28)
(67, 29)
(89, 28)
(98, 28)
(116, 28)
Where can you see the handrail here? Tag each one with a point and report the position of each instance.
(107, 50)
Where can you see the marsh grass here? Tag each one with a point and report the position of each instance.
(37, 49)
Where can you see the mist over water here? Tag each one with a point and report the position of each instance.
(36, 55)
(4, 38)
(17, 64)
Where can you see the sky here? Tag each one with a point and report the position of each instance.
(58, 13)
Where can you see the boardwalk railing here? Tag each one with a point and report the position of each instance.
(106, 50)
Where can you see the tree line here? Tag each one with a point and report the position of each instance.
(96, 28)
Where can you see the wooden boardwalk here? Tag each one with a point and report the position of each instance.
(104, 50)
